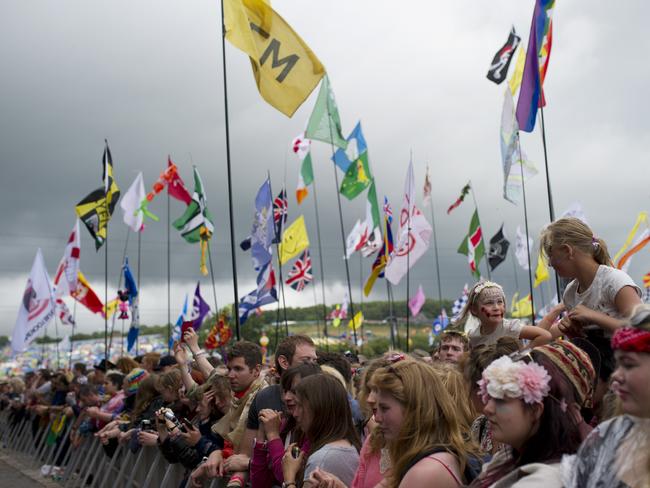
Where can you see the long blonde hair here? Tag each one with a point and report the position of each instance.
(457, 387)
(575, 233)
(430, 415)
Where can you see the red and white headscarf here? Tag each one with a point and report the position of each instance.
(631, 339)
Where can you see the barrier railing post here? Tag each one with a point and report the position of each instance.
(136, 465)
(40, 444)
(108, 474)
(61, 441)
(79, 453)
(152, 470)
(96, 451)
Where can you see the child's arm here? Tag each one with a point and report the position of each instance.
(549, 319)
(626, 299)
(536, 335)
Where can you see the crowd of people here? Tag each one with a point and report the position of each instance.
(497, 403)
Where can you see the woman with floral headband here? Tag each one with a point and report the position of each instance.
(487, 304)
(533, 401)
(617, 452)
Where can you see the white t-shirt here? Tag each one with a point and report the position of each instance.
(508, 328)
(601, 294)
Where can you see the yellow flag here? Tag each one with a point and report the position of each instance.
(523, 308)
(286, 70)
(356, 322)
(294, 240)
(513, 304)
(515, 79)
(541, 273)
(642, 217)
(111, 308)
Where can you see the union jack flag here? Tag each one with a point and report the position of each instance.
(280, 211)
(300, 275)
(388, 211)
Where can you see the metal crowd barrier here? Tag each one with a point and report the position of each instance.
(88, 465)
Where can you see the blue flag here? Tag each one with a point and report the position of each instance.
(341, 158)
(264, 293)
(263, 228)
(176, 333)
(129, 282)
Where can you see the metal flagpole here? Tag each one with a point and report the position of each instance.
(322, 268)
(74, 324)
(551, 209)
(435, 247)
(137, 339)
(277, 248)
(523, 188)
(338, 199)
(408, 261)
(229, 179)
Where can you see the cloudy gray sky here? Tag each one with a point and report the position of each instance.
(147, 75)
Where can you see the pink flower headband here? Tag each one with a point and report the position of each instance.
(505, 378)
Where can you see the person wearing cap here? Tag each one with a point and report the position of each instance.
(165, 364)
(99, 375)
(617, 452)
(532, 401)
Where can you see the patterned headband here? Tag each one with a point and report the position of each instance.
(631, 339)
(482, 286)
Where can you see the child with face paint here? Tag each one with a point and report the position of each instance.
(486, 305)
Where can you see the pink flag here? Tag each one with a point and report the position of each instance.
(417, 302)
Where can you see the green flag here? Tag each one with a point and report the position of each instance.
(196, 216)
(374, 205)
(357, 178)
(324, 123)
(473, 245)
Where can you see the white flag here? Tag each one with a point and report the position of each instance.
(575, 210)
(36, 308)
(411, 243)
(521, 252)
(513, 158)
(355, 239)
(65, 279)
(130, 204)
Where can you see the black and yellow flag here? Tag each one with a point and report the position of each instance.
(96, 209)
(285, 69)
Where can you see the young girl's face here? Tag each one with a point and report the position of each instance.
(511, 422)
(631, 382)
(558, 259)
(389, 414)
(302, 413)
(289, 396)
(490, 307)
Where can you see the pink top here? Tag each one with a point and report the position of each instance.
(369, 472)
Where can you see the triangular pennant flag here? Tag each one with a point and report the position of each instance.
(325, 123)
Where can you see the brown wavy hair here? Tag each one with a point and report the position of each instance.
(431, 419)
(330, 410)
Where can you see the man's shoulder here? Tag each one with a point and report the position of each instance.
(268, 397)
